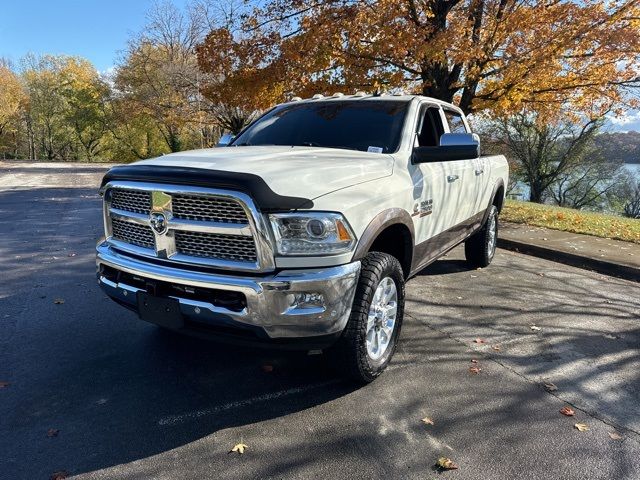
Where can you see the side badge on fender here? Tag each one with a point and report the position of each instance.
(424, 208)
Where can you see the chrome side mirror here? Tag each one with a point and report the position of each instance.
(449, 139)
(225, 140)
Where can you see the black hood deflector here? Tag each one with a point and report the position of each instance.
(253, 185)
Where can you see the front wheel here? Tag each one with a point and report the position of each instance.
(369, 339)
(480, 247)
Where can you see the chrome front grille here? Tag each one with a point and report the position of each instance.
(189, 225)
(207, 209)
(136, 201)
(139, 235)
(213, 245)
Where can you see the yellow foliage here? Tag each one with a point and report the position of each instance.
(569, 220)
(12, 97)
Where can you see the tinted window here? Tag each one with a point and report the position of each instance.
(352, 124)
(456, 125)
(431, 128)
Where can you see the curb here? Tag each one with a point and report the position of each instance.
(601, 266)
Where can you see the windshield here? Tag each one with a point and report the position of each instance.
(367, 125)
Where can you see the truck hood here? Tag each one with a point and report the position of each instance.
(306, 172)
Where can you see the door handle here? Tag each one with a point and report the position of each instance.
(479, 172)
(452, 178)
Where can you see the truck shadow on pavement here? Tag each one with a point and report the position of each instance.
(545, 321)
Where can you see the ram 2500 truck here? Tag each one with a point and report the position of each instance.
(302, 231)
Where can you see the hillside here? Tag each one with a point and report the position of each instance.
(624, 146)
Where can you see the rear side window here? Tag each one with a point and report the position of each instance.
(454, 119)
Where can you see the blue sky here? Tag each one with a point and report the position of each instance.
(93, 29)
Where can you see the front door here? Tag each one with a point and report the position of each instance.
(436, 185)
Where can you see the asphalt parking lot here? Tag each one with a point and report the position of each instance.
(129, 401)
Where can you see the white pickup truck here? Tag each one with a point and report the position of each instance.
(302, 231)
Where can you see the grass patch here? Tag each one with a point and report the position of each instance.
(569, 220)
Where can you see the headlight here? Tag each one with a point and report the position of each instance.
(311, 233)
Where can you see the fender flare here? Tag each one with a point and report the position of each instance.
(383, 220)
(496, 187)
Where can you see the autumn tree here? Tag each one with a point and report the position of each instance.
(159, 76)
(50, 137)
(85, 94)
(62, 118)
(483, 54)
(12, 102)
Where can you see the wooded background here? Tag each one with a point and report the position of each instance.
(539, 79)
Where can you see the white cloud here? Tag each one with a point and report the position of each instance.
(626, 118)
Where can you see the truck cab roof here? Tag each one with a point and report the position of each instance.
(366, 97)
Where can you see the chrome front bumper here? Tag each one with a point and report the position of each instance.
(269, 299)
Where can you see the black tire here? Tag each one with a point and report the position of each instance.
(479, 248)
(350, 354)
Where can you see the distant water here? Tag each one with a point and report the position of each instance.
(634, 168)
(522, 190)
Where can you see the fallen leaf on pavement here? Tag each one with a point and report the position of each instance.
(59, 475)
(535, 328)
(52, 432)
(475, 370)
(239, 448)
(59, 301)
(4, 384)
(568, 411)
(582, 427)
(615, 436)
(427, 421)
(479, 340)
(445, 463)
(550, 387)
(496, 348)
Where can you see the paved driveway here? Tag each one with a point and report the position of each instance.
(132, 402)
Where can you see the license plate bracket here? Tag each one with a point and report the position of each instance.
(164, 312)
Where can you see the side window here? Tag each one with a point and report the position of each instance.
(431, 127)
(454, 119)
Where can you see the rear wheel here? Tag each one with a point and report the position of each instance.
(369, 339)
(480, 247)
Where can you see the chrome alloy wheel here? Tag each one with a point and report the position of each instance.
(382, 318)
(491, 241)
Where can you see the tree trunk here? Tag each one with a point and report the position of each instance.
(536, 192)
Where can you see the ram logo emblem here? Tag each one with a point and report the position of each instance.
(159, 223)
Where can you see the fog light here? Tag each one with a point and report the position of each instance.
(305, 300)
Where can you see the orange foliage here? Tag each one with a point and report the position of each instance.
(497, 55)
